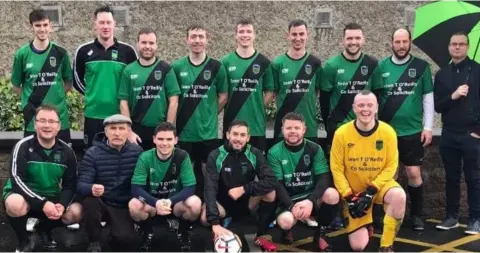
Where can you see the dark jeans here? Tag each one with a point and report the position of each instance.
(455, 148)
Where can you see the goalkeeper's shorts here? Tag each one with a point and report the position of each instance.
(357, 223)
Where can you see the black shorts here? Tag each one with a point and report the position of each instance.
(199, 151)
(90, 128)
(259, 142)
(146, 134)
(410, 149)
(63, 135)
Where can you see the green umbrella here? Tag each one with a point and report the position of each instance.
(436, 22)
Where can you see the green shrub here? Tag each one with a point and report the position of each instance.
(271, 110)
(11, 116)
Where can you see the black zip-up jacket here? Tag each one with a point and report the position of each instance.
(228, 168)
(461, 115)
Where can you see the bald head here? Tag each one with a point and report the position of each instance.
(401, 43)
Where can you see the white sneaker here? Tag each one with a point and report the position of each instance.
(311, 222)
(74, 226)
(31, 223)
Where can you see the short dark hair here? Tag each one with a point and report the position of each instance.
(47, 107)
(352, 26)
(296, 23)
(37, 15)
(243, 21)
(293, 116)
(237, 122)
(165, 127)
(101, 9)
(146, 30)
(404, 28)
(461, 33)
(196, 27)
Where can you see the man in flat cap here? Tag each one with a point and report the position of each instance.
(104, 177)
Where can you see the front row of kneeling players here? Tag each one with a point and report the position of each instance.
(294, 182)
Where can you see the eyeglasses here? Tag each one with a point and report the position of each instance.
(45, 121)
(461, 44)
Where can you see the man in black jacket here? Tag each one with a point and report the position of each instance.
(104, 177)
(230, 185)
(457, 98)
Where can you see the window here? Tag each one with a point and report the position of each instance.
(54, 13)
(323, 18)
(121, 15)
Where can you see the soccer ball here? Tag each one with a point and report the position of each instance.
(228, 243)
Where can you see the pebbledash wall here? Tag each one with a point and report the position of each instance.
(170, 19)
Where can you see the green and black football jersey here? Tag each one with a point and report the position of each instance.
(164, 178)
(41, 77)
(147, 90)
(296, 83)
(344, 79)
(97, 73)
(298, 169)
(248, 78)
(197, 115)
(401, 94)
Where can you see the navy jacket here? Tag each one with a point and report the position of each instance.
(109, 167)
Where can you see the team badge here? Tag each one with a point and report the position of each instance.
(256, 69)
(207, 74)
(158, 74)
(412, 73)
(364, 70)
(244, 169)
(306, 160)
(57, 157)
(114, 55)
(53, 61)
(308, 69)
(379, 145)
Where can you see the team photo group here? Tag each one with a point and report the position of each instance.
(152, 155)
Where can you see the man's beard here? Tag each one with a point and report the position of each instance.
(404, 56)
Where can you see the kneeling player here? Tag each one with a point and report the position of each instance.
(231, 188)
(163, 183)
(305, 181)
(364, 159)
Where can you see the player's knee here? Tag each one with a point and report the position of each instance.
(357, 246)
(397, 196)
(358, 240)
(270, 197)
(331, 196)
(16, 206)
(413, 173)
(73, 214)
(203, 216)
(286, 220)
(135, 206)
(194, 204)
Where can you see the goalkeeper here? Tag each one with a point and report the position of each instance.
(364, 160)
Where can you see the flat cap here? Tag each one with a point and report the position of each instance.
(117, 118)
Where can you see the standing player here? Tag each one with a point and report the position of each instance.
(297, 76)
(148, 91)
(364, 160)
(163, 184)
(42, 74)
(204, 87)
(305, 187)
(97, 68)
(250, 84)
(406, 104)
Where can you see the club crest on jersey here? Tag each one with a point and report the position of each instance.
(57, 157)
(207, 74)
(412, 73)
(306, 160)
(158, 74)
(379, 145)
(114, 55)
(244, 169)
(53, 61)
(256, 69)
(308, 69)
(364, 70)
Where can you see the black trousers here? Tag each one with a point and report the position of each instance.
(457, 149)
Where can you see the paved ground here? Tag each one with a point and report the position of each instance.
(430, 240)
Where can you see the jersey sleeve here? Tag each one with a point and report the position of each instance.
(275, 164)
(141, 172)
(268, 84)
(427, 80)
(124, 86)
(17, 78)
(320, 165)
(67, 73)
(186, 173)
(171, 84)
(328, 77)
(221, 80)
(391, 164)
(337, 165)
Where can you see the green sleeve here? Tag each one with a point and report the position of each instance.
(186, 173)
(221, 80)
(320, 165)
(67, 73)
(124, 86)
(318, 78)
(427, 80)
(328, 77)
(275, 164)
(171, 84)
(17, 70)
(141, 172)
(375, 81)
(267, 79)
